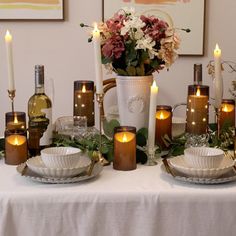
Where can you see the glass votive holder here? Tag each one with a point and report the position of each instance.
(80, 125)
(84, 100)
(227, 113)
(197, 109)
(124, 148)
(16, 149)
(163, 125)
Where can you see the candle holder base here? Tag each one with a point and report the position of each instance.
(102, 160)
(151, 155)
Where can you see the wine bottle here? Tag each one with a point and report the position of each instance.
(197, 74)
(40, 116)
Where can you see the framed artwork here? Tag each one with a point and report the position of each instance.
(178, 13)
(31, 9)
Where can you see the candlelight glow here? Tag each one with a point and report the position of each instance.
(124, 139)
(217, 51)
(162, 115)
(227, 107)
(198, 93)
(96, 30)
(154, 87)
(15, 119)
(8, 36)
(83, 89)
(16, 142)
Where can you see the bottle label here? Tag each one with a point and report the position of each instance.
(46, 139)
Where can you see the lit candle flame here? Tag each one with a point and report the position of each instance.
(124, 139)
(15, 119)
(198, 92)
(83, 89)
(16, 141)
(217, 50)
(161, 116)
(8, 36)
(96, 30)
(225, 108)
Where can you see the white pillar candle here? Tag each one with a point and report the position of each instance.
(152, 117)
(218, 82)
(97, 60)
(8, 41)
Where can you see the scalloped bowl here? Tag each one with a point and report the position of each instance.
(203, 157)
(61, 157)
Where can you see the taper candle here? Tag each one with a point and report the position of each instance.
(218, 82)
(8, 41)
(97, 59)
(152, 118)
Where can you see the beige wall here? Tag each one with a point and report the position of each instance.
(62, 47)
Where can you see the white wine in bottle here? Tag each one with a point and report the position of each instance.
(40, 116)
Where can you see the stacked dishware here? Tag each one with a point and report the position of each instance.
(202, 162)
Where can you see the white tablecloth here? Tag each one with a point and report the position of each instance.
(140, 202)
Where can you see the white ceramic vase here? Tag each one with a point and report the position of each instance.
(133, 93)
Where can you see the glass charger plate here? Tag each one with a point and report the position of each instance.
(228, 177)
(35, 177)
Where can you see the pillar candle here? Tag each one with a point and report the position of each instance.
(197, 109)
(152, 118)
(97, 60)
(218, 82)
(124, 148)
(84, 100)
(15, 121)
(227, 113)
(163, 124)
(15, 149)
(8, 41)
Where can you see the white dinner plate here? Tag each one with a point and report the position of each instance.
(36, 165)
(178, 163)
(29, 174)
(228, 177)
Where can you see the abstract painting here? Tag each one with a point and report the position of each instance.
(178, 13)
(31, 9)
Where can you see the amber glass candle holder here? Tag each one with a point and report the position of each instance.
(163, 124)
(227, 113)
(16, 150)
(124, 148)
(84, 100)
(197, 109)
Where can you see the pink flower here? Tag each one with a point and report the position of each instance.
(113, 47)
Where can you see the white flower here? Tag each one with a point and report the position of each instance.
(133, 26)
(146, 43)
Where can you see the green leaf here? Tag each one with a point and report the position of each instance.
(141, 137)
(131, 70)
(108, 127)
(140, 70)
(154, 63)
(121, 72)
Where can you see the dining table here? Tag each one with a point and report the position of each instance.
(145, 201)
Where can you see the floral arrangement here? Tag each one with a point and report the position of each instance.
(137, 45)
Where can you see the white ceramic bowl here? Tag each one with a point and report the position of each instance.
(203, 157)
(180, 165)
(36, 165)
(61, 157)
